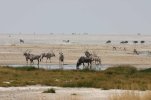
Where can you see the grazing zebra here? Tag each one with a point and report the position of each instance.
(48, 56)
(61, 60)
(21, 41)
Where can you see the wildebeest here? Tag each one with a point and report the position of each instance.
(142, 42)
(124, 42)
(66, 41)
(61, 60)
(21, 41)
(109, 41)
(48, 56)
(83, 60)
(135, 42)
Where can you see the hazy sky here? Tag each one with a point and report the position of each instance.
(67, 16)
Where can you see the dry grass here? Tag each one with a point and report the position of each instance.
(131, 95)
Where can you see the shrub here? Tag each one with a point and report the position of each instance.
(52, 90)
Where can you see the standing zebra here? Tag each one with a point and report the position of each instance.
(27, 55)
(48, 56)
(94, 57)
(32, 57)
(61, 60)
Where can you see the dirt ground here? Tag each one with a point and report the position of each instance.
(35, 93)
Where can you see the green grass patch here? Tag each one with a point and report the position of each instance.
(118, 77)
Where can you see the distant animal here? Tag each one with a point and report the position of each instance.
(135, 42)
(135, 52)
(48, 56)
(142, 42)
(124, 42)
(114, 48)
(83, 60)
(109, 41)
(61, 60)
(67, 41)
(21, 41)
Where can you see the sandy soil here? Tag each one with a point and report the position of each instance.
(35, 93)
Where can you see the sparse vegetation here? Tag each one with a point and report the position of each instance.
(118, 77)
(131, 95)
(52, 90)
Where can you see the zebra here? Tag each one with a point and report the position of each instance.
(32, 57)
(48, 56)
(27, 55)
(94, 57)
(61, 60)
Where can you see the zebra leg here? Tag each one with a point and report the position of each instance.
(50, 60)
(38, 64)
(46, 60)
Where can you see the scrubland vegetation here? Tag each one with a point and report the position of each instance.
(117, 77)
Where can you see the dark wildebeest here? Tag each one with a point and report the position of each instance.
(48, 56)
(83, 60)
(61, 60)
(66, 41)
(109, 41)
(142, 42)
(21, 41)
(135, 42)
(124, 42)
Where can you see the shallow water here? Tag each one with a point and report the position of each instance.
(65, 66)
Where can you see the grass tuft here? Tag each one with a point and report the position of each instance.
(52, 90)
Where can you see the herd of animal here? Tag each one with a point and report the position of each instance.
(31, 57)
(88, 58)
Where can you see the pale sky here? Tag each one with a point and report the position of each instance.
(67, 16)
